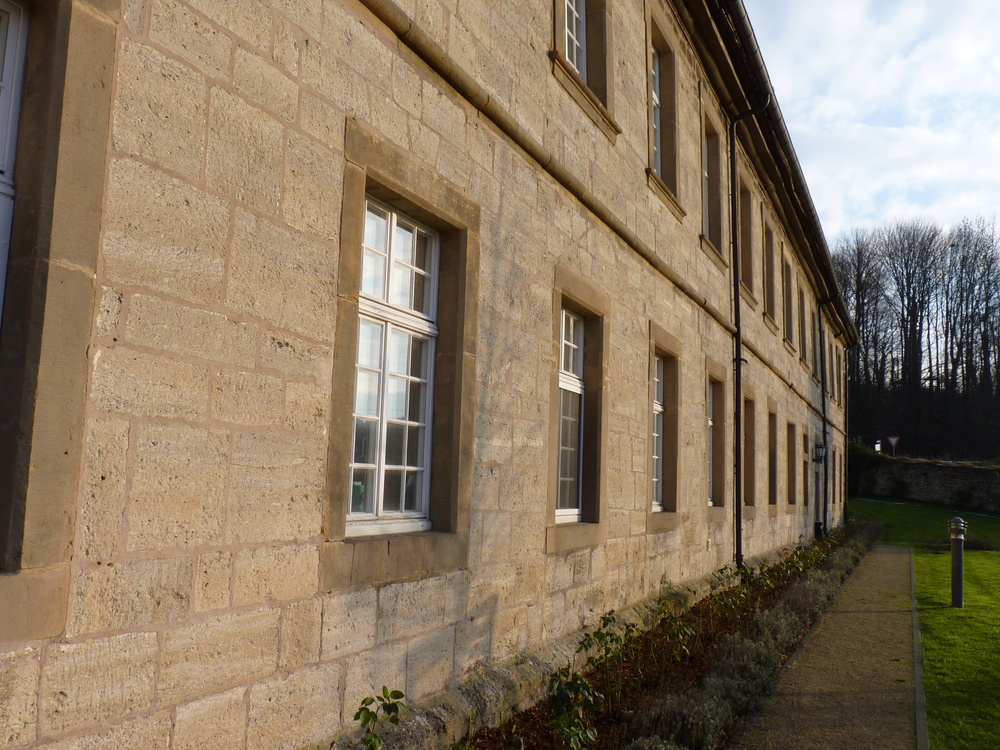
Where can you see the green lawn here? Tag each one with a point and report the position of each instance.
(960, 646)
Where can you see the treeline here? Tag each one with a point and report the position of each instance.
(927, 365)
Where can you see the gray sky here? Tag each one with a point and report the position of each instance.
(893, 105)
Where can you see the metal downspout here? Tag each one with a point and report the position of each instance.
(734, 237)
(823, 394)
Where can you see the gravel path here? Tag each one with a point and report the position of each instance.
(853, 684)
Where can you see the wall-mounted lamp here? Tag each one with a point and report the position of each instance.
(819, 453)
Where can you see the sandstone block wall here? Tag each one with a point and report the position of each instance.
(195, 616)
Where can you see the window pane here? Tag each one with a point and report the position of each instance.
(422, 258)
(376, 227)
(417, 347)
(392, 493)
(414, 444)
(373, 275)
(395, 406)
(366, 399)
(402, 286)
(365, 440)
(399, 348)
(362, 490)
(370, 345)
(421, 285)
(403, 249)
(416, 411)
(412, 492)
(395, 440)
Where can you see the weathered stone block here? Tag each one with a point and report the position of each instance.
(247, 19)
(366, 673)
(282, 573)
(163, 233)
(138, 383)
(430, 661)
(301, 710)
(87, 683)
(218, 721)
(288, 42)
(160, 110)
(306, 406)
(178, 487)
(264, 84)
(282, 277)
(102, 504)
(244, 152)
(159, 324)
(18, 697)
(130, 595)
(148, 733)
(301, 633)
(187, 35)
(293, 356)
(312, 184)
(211, 581)
(218, 653)
(109, 312)
(277, 484)
(349, 622)
(247, 398)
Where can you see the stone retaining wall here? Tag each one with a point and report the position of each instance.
(960, 485)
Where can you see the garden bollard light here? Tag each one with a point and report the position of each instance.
(957, 528)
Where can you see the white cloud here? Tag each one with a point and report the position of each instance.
(891, 104)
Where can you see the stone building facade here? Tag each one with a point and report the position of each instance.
(363, 342)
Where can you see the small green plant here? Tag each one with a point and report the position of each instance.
(614, 640)
(570, 696)
(388, 706)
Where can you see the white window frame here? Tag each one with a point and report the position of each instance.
(378, 310)
(710, 405)
(659, 373)
(576, 36)
(13, 43)
(571, 359)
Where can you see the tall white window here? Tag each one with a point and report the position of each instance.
(568, 504)
(392, 406)
(716, 442)
(659, 376)
(576, 36)
(13, 39)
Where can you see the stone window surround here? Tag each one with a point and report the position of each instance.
(572, 291)
(659, 35)
(713, 219)
(50, 303)
(377, 168)
(663, 344)
(716, 378)
(595, 95)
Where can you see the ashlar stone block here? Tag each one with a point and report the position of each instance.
(299, 711)
(259, 80)
(244, 152)
(178, 487)
(301, 633)
(102, 504)
(148, 733)
(160, 110)
(163, 233)
(185, 331)
(312, 184)
(247, 398)
(135, 382)
(18, 695)
(87, 683)
(282, 573)
(277, 486)
(132, 594)
(218, 653)
(178, 29)
(218, 721)
(283, 278)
